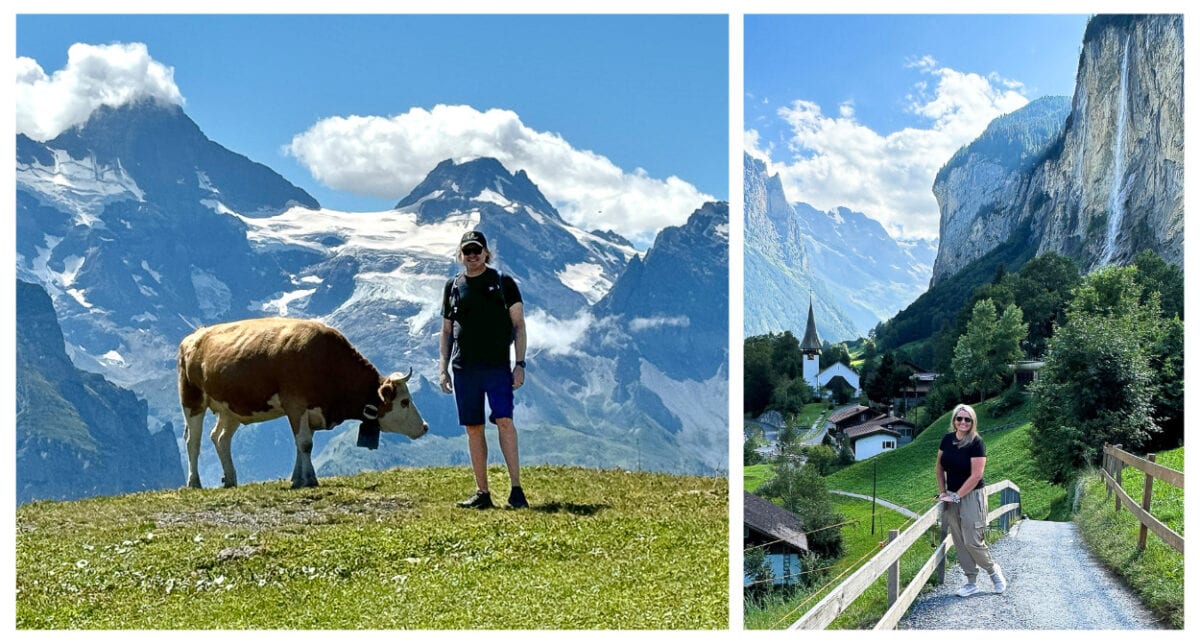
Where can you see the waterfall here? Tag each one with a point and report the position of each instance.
(1118, 192)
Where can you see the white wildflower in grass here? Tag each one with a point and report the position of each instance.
(197, 539)
(82, 563)
(88, 547)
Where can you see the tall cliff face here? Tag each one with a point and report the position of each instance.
(1117, 186)
(1106, 183)
(978, 189)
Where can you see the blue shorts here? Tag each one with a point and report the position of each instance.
(470, 387)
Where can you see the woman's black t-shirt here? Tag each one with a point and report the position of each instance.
(956, 461)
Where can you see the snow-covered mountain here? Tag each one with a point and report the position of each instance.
(141, 228)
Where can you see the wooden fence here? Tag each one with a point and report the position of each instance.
(1114, 462)
(887, 561)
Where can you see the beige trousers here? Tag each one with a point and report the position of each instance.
(967, 522)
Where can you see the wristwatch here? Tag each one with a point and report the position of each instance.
(519, 363)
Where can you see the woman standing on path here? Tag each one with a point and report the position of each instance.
(960, 462)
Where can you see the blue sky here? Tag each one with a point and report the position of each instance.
(862, 110)
(629, 114)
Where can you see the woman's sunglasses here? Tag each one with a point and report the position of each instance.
(964, 419)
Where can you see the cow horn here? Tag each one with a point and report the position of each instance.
(405, 378)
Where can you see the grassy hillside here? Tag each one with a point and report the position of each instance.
(383, 550)
(905, 476)
(1155, 573)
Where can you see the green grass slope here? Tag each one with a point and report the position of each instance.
(383, 550)
(1155, 573)
(905, 475)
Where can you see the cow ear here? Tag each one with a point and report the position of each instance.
(387, 391)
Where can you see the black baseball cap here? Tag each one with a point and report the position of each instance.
(472, 237)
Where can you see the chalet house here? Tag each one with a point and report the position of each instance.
(880, 434)
(919, 384)
(844, 419)
(779, 532)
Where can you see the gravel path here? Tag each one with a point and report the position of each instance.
(1053, 583)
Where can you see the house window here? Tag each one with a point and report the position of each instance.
(889, 444)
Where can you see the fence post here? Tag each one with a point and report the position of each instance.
(1147, 491)
(939, 573)
(1106, 466)
(1003, 519)
(1118, 465)
(893, 581)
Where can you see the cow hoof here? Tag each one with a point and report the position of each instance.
(194, 483)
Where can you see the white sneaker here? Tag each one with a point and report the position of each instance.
(968, 590)
(998, 581)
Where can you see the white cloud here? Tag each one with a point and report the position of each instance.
(837, 161)
(94, 75)
(641, 324)
(554, 336)
(388, 156)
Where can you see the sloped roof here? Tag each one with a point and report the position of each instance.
(811, 341)
(847, 413)
(877, 425)
(768, 518)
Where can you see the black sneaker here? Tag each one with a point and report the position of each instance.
(480, 500)
(516, 498)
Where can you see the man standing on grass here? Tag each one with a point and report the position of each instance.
(482, 314)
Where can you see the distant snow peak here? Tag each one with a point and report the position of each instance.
(836, 216)
(498, 198)
(588, 280)
(82, 186)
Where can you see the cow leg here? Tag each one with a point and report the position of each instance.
(303, 474)
(222, 438)
(193, 425)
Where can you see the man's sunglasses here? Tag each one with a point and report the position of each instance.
(472, 250)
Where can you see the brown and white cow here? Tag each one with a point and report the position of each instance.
(260, 369)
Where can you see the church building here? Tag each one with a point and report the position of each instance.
(810, 346)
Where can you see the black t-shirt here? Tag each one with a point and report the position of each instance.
(483, 328)
(956, 461)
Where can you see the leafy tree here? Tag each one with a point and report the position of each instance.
(834, 353)
(801, 490)
(757, 383)
(789, 396)
(842, 391)
(821, 457)
(787, 360)
(758, 569)
(749, 456)
(1099, 383)
(983, 354)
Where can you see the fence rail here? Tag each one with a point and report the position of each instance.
(1114, 462)
(887, 561)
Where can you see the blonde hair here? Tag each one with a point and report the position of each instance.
(971, 435)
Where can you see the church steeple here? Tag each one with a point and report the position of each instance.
(811, 344)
